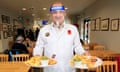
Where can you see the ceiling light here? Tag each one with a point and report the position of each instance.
(66, 8)
(44, 8)
(24, 9)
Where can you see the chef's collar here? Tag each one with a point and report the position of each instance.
(62, 25)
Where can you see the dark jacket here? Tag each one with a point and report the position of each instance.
(21, 48)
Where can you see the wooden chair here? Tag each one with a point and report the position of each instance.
(98, 47)
(91, 45)
(3, 57)
(111, 57)
(108, 66)
(20, 57)
(14, 67)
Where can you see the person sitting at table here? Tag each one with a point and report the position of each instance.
(18, 46)
(29, 44)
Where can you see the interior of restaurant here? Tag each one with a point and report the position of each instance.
(98, 23)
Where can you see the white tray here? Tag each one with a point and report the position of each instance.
(42, 66)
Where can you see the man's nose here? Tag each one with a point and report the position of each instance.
(57, 17)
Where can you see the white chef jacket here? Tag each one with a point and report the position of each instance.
(60, 43)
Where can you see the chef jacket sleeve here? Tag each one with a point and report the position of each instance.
(77, 45)
(38, 50)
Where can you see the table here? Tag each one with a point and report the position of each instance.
(101, 52)
(104, 54)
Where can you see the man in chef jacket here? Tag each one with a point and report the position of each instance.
(60, 40)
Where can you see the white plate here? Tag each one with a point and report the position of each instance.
(84, 66)
(42, 66)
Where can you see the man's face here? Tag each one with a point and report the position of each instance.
(58, 16)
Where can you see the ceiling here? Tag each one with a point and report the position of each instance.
(35, 7)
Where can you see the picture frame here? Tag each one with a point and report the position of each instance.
(4, 20)
(8, 19)
(4, 27)
(1, 27)
(15, 27)
(97, 24)
(115, 24)
(0, 35)
(104, 24)
(5, 34)
(9, 34)
(92, 25)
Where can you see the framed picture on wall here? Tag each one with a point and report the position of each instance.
(0, 35)
(97, 24)
(4, 20)
(5, 34)
(115, 24)
(8, 19)
(104, 24)
(92, 25)
(0, 27)
(4, 27)
(9, 30)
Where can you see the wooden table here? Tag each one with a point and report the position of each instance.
(101, 52)
(104, 54)
(14, 67)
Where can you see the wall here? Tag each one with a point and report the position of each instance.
(105, 9)
(4, 42)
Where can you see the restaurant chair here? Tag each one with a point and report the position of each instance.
(108, 66)
(20, 57)
(99, 47)
(91, 45)
(3, 57)
(109, 58)
(14, 67)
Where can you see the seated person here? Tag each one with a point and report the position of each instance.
(29, 44)
(18, 46)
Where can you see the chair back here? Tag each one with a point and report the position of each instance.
(108, 66)
(3, 57)
(99, 47)
(14, 67)
(20, 57)
(110, 58)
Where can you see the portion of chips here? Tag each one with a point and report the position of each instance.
(36, 61)
(52, 62)
(88, 60)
